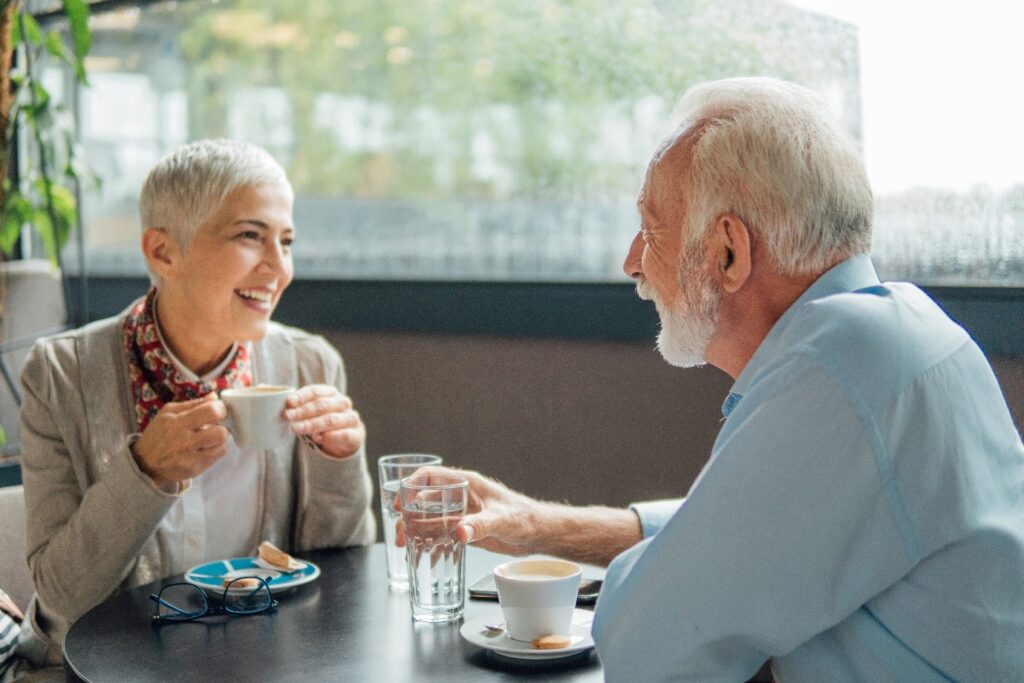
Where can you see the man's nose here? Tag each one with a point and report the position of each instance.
(632, 265)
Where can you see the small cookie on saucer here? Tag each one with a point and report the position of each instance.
(552, 642)
(274, 556)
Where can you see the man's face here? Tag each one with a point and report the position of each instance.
(667, 260)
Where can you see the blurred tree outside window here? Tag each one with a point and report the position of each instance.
(484, 139)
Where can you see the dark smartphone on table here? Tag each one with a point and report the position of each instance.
(484, 589)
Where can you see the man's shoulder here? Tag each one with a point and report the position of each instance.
(888, 333)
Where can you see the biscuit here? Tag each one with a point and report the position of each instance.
(552, 642)
(272, 555)
(245, 582)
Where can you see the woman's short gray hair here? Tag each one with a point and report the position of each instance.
(189, 184)
(771, 152)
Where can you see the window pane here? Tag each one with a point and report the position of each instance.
(495, 140)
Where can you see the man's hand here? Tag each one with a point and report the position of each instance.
(504, 521)
(182, 441)
(320, 412)
(497, 518)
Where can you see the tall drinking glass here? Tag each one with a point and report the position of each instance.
(393, 469)
(432, 507)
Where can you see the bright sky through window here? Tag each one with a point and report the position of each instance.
(941, 89)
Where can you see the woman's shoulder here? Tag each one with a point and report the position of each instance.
(312, 352)
(79, 344)
(302, 340)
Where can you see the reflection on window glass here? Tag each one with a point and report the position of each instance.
(479, 139)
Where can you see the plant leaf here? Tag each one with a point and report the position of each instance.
(32, 35)
(17, 211)
(43, 227)
(55, 46)
(78, 16)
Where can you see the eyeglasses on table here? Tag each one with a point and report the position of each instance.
(185, 602)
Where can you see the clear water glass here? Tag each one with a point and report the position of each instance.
(392, 469)
(432, 507)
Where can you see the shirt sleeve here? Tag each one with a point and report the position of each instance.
(655, 514)
(787, 531)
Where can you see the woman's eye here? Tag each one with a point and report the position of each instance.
(249, 234)
(287, 241)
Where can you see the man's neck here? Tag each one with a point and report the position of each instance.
(746, 317)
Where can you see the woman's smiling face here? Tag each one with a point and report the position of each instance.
(226, 283)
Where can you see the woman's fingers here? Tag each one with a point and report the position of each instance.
(327, 422)
(313, 400)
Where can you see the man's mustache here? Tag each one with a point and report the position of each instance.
(644, 289)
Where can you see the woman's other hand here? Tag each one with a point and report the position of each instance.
(182, 441)
(321, 413)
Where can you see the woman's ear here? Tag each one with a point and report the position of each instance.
(731, 251)
(160, 250)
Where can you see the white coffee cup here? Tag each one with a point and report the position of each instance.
(537, 596)
(254, 416)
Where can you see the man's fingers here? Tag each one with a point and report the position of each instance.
(473, 528)
(399, 533)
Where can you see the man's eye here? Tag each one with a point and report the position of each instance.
(287, 241)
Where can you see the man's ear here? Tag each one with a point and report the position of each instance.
(731, 251)
(160, 250)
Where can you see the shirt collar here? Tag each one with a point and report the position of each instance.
(849, 275)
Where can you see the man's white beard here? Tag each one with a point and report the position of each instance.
(687, 327)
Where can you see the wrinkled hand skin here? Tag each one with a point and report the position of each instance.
(497, 518)
(322, 414)
(182, 441)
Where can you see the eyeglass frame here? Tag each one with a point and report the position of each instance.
(207, 611)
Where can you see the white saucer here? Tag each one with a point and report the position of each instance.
(476, 632)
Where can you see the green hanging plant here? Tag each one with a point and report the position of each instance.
(41, 198)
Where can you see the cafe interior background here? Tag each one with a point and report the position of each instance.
(465, 175)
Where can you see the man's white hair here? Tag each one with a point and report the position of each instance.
(772, 153)
(189, 184)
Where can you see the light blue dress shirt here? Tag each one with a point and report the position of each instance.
(861, 517)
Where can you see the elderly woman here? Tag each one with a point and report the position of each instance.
(130, 475)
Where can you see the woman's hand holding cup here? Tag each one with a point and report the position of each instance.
(182, 441)
(321, 413)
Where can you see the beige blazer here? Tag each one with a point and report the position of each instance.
(93, 517)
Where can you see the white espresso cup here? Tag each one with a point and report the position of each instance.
(537, 596)
(255, 416)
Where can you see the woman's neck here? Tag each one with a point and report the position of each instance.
(199, 353)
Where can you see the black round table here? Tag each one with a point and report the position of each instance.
(345, 626)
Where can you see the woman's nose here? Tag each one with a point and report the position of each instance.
(275, 258)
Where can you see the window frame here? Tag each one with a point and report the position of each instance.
(584, 311)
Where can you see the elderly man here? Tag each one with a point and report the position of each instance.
(861, 516)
